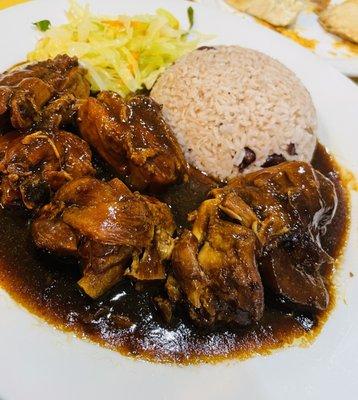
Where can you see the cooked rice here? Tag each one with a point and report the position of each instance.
(220, 100)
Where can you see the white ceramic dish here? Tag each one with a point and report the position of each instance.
(38, 362)
(307, 26)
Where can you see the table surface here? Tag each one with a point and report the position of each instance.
(9, 3)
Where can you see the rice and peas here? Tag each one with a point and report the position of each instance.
(232, 109)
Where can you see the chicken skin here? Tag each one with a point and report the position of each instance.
(288, 208)
(30, 95)
(113, 231)
(133, 138)
(261, 230)
(215, 270)
(33, 166)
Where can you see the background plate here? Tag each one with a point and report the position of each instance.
(327, 46)
(38, 362)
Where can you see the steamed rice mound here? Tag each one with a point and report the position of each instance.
(222, 101)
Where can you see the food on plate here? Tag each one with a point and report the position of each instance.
(261, 230)
(200, 219)
(289, 207)
(214, 271)
(42, 94)
(236, 110)
(276, 12)
(113, 231)
(122, 53)
(133, 138)
(342, 20)
(34, 165)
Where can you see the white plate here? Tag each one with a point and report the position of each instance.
(307, 26)
(38, 362)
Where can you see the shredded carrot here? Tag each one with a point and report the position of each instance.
(114, 24)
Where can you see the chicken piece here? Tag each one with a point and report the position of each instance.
(214, 269)
(272, 218)
(35, 165)
(103, 266)
(275, 12)
(55, 236)
(59, 112)
(292, 271)
(113, 231)
(26, 92)
(284, 198)
(133, 138)
(291, 205)
(342, 20)
(148, 265)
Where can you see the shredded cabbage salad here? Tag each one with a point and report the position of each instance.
(123, 54)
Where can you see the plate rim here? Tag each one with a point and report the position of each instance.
(133, 367)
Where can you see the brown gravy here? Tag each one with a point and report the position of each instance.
(125, 319)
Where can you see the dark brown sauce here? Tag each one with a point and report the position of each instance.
(126, 319)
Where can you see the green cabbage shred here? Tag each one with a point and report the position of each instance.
(123, 54)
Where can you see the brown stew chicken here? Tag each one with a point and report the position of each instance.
(108, 232)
